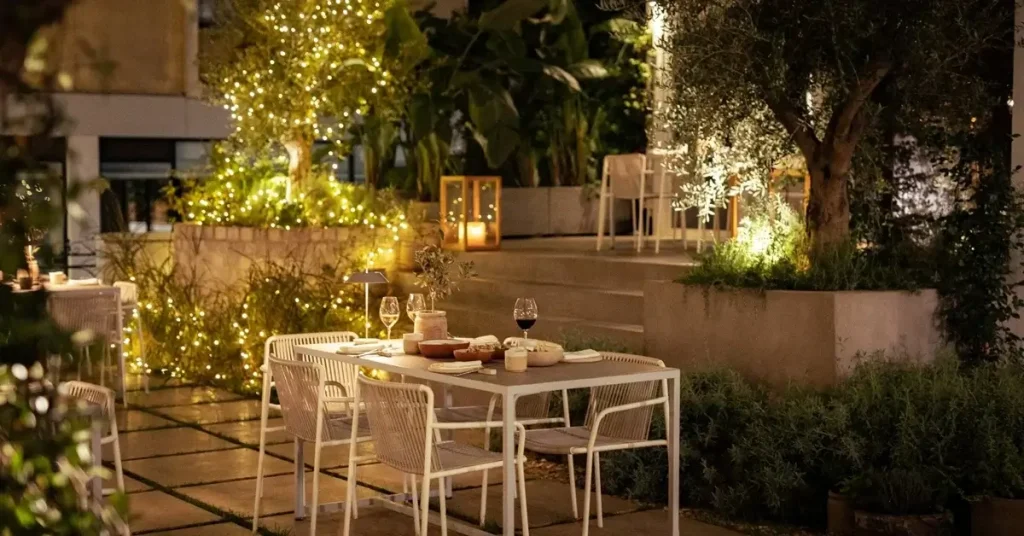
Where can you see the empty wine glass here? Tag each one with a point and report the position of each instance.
(389, 312)
(415, 304)
(525, 314)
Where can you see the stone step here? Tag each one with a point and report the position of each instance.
(584, 303)
(626, 273)
(465, 321)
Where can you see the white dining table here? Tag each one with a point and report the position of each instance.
(511, 385)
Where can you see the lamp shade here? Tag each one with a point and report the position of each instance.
(368, 277)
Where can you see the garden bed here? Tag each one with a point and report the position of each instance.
(814, 338)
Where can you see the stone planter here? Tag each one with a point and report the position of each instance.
(559, 210)
(810, 338)
(840, 512)
(219, 258)
(993, 516)
(869, 524)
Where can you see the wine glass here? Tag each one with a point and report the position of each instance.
(389, 312)
(525, 314)
(415, 304)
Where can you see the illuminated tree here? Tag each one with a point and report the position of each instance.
(295, 71)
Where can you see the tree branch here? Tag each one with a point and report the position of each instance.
(795, 126)
(847, 123)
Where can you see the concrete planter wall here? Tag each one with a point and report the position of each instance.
(812, 338)
(220, 257)
(560, 210)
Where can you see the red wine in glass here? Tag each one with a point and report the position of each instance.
(525, 314)
(526, 323)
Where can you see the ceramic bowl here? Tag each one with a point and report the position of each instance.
(442, 348)
(544, 359)
(470, 354)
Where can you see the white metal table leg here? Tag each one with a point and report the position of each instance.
(508, 453)
(673, 455)
(300, 480)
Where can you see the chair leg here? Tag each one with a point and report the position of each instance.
(315, 505)
(611, 219)
(118, 469)
(572, 488)
(300, 479)
(586, 493)
(425, 506)
(444, 507)
(601, 217)
(351, 501)
(597, 489)
(415, 503)
(103, 365)
(259, 478)
(483, 480)
(522, 497)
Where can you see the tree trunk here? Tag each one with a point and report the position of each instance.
(300, 161)
(828, 210)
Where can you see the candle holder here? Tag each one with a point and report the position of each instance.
(471, 212)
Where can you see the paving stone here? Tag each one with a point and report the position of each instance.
(148, 443)
(373, 521)
(136, 382)
(129, 420)
(205, 467)
(383, 476)
(330, 457)
(646, 522)
(238, 410)
(548, 501)
(278, 493)
(130, 484)
(248, 432)
(154, 510)
(179, 396)
(218, 529)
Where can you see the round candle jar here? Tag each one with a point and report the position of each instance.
(516, 359)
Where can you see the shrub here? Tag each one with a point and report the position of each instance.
(994, 447)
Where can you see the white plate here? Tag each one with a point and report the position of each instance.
(446, 368)
(594, 359)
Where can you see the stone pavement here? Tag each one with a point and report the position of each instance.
(190, 457)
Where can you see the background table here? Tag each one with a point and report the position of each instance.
(511, 385)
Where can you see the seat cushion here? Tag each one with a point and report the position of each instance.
(454, 455)
(560, 440)
(465, 414)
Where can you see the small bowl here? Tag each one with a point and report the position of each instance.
(544, 359)
(469, 354)
(442, 348)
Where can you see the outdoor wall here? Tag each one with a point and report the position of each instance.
(781, 337)
(219, 257)
(562, 210)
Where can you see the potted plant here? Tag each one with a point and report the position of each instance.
(439, 275)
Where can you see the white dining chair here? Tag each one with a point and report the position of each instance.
(664, 183)
(624, 176)
(94, 313)
(104, 399)
(302, 392)
(531, 410)
(406, 437)
(618, 418)
(338, 381)
(130, 309)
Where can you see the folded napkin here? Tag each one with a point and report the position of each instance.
(582, 355)
(486, 339)
(455, 366)
(84, 282)
(353, 348)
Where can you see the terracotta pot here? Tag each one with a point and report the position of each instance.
(993, 516)
(840, 515)
(870, 524)
(433, 325)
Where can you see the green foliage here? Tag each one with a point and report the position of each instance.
(440, 272)
(993, 453)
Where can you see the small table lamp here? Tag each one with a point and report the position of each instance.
(367, 278)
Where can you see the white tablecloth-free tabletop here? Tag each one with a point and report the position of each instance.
(510, 385)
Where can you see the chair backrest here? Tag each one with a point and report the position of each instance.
(283, 347)
(399, 415)
(91, 394)
(129, 292)
(659, 174)
(634, 424)
(79, 310)
(300, 389)
(624, 173)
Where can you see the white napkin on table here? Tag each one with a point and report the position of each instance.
(84, 282)
(455, 366)
(581, 355)
(353, 348)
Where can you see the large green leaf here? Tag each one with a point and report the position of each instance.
(491, 105)
(617, 27)
(403, 34)
(421, 116)
(588, 69)
(510, 13)
(562, 76)
(498, 143)
(507, 44)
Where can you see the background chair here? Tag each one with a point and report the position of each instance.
(406, 437)
(130, 309)
(94, 312)
(618, 418)
(302, 391)
(624, 176)
(104, 399)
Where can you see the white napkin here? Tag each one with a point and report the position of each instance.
(352, 348)
(581, 355)
(486, 339)
(84, 282)
(455, 366)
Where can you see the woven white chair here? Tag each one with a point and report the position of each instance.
(302, 391)
(624, 176)
(406, 437)
(104, 398)
(130, 309)
(531, 410)
(339, 379)
(618, 418)
(91, 311)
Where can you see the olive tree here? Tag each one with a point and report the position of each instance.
(827, 72)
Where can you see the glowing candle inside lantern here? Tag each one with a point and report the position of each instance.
(474, 233)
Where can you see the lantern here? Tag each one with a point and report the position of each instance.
(471, 212)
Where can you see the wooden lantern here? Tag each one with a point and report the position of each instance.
(471, 212)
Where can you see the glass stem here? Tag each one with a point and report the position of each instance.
(526, 334)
